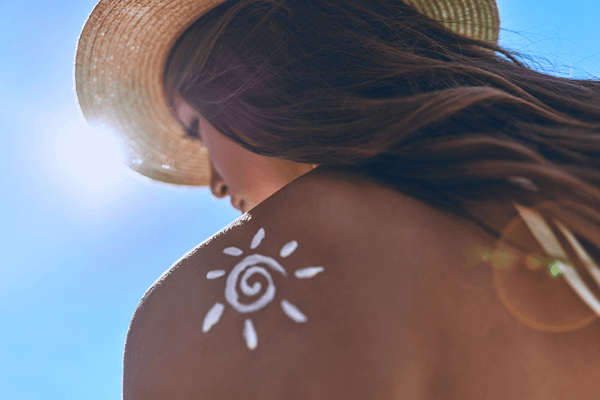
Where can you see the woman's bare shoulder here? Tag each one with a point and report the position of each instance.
(334, 287)
(299, 298)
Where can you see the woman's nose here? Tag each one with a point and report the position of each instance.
(217, 185)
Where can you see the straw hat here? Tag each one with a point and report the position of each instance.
(119, 66)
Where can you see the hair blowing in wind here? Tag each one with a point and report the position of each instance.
(375, 86)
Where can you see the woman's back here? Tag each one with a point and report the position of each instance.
(370, 294)
(338, 286)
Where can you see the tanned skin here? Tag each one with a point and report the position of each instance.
(394, 314)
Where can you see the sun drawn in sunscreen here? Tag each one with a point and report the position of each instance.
(237, 285)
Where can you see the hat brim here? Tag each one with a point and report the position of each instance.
(119, 67)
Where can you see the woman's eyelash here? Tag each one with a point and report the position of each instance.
(193, 131)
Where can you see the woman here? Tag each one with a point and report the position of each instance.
(421, 209)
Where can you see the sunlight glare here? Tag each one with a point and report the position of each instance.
(85, 163)
(91, 157)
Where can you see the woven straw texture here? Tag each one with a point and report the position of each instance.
(120, 61)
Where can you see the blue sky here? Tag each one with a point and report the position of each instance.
(81, 238)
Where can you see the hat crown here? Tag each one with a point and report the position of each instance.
(119, 65)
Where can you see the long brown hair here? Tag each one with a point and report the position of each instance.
(375, 86)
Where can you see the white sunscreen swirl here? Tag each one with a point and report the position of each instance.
(249, 268)
(246, 294)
